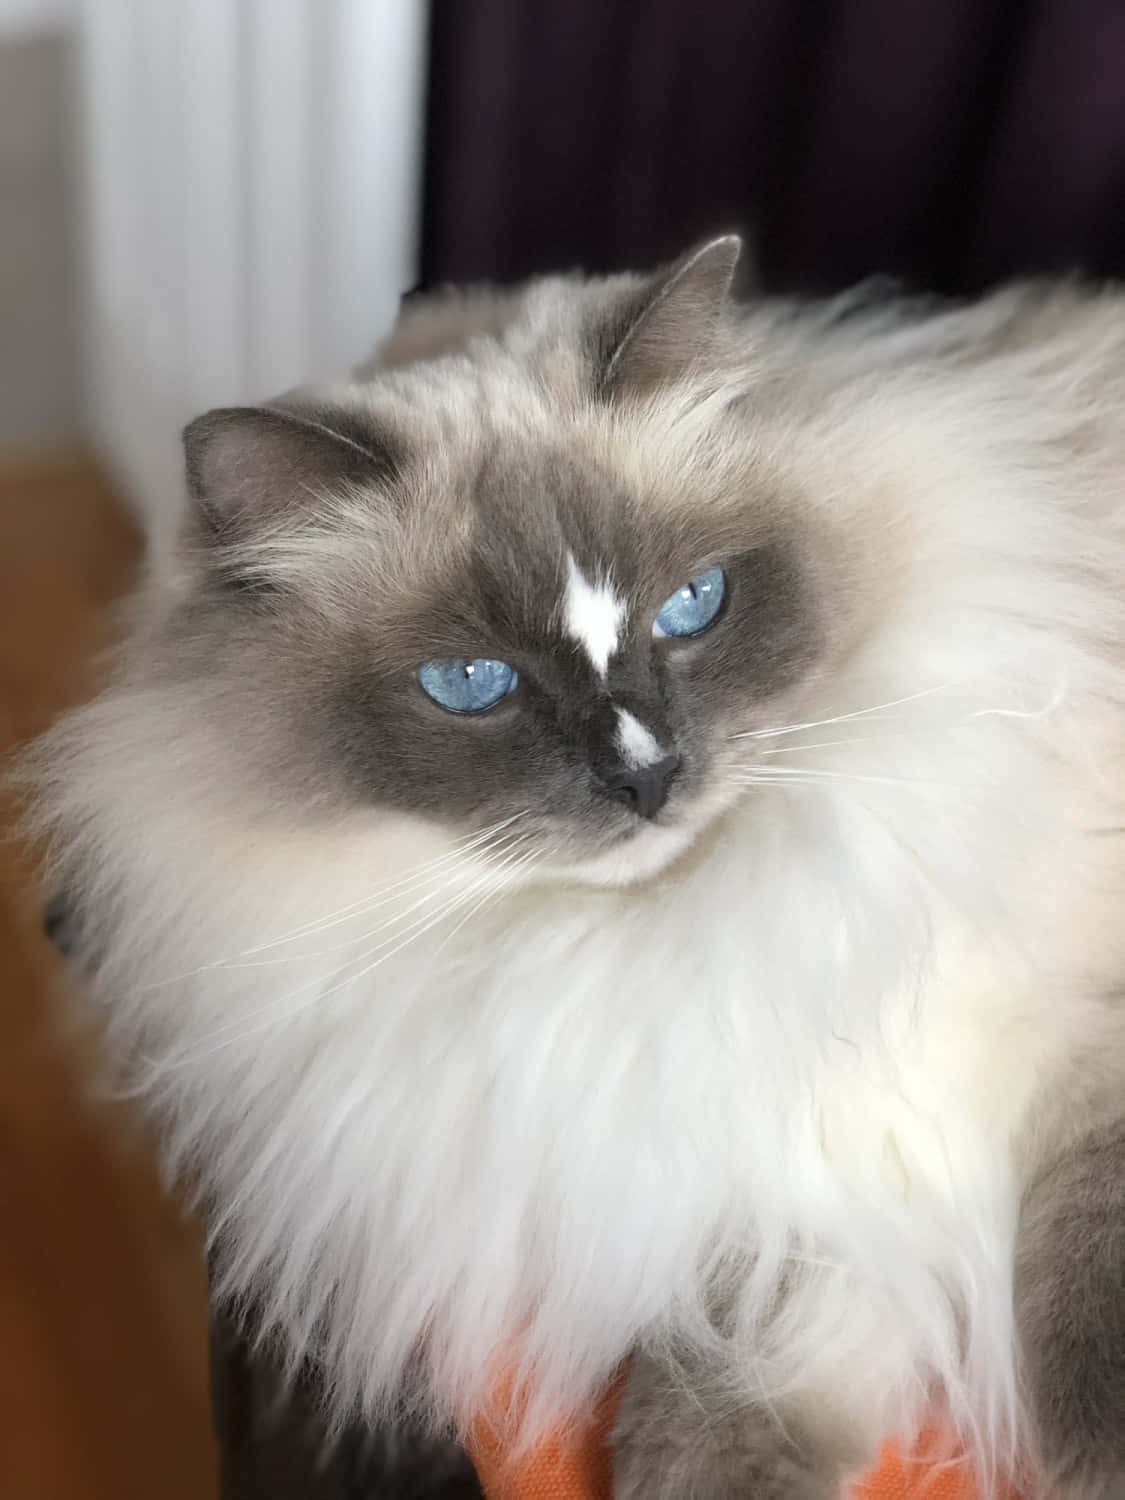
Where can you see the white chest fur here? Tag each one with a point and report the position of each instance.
(559, 1126)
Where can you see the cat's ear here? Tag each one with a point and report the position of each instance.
(247, 465)
(678, 322)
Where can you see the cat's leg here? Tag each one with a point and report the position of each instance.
(672, 1441)
(1070, 1312)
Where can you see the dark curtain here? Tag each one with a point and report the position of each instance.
(952, 143)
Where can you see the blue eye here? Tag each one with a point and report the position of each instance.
(466, 687)
(692, 608)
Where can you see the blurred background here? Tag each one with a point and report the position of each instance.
(207, 203)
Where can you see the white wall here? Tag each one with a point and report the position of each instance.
(252, 188)
(20, 18)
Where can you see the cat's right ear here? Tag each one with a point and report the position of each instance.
(248, 466)
(676, 325)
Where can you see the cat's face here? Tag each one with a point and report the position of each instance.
(462, 595)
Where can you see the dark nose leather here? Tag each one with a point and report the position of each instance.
(645, 789)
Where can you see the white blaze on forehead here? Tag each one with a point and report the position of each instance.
(592, 615)
(638, 745)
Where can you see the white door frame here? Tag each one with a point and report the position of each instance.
(252, 175)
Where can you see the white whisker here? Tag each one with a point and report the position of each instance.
(859, 713)
(424, 922)
(499, 844)
(1057, 698)
(459, 848)
(531, 856)
(864, 739)
(812, 774)
(377, 897)
(400, 940)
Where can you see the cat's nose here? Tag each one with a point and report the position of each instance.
(644, 789)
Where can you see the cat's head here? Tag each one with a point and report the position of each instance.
(542, 578)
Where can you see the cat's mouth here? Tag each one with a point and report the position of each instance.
(643, 848)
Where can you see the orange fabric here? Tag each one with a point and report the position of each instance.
(577, 1467)
(573, 1466)
(921, 1477)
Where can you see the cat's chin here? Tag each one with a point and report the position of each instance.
(649, 851)
(639, 858)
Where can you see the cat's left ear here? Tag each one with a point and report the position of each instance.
(677, 325)
(248, 465)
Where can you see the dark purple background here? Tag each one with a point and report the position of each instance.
(952, 142)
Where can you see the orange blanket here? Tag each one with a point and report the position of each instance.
(578, 1468)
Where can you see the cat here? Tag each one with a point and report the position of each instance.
(605, 839)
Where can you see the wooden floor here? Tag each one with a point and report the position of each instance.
(102, 1302)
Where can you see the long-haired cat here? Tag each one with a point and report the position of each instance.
(606, 839)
